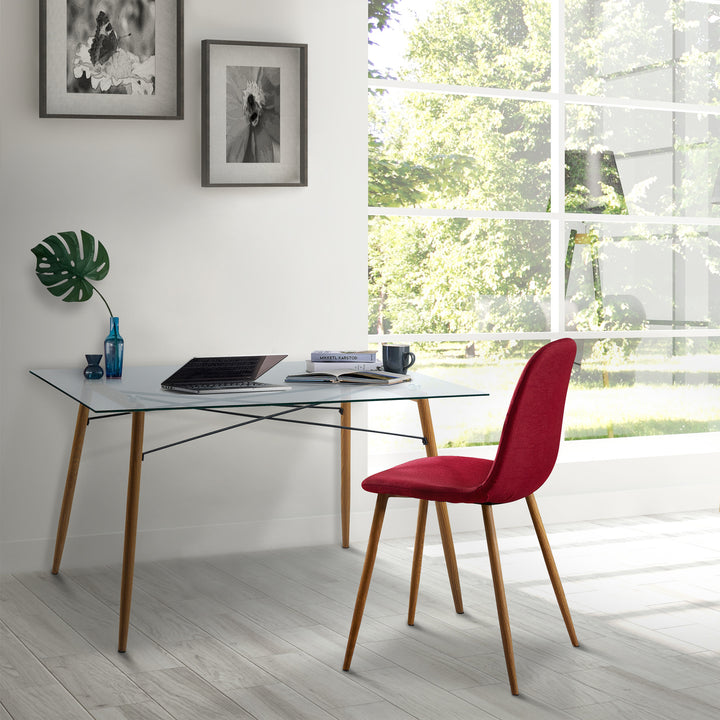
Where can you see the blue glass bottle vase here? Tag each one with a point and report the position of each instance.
(114, 347)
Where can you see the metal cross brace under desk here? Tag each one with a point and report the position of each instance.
(139, 391)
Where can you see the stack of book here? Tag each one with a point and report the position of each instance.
(354, 366)
(342, 360)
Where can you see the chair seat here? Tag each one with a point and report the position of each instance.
(446, 478)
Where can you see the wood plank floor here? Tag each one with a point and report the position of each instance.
(262, 635)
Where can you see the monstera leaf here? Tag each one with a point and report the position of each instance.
(65, 265)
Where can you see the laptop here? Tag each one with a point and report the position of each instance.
(224, 374)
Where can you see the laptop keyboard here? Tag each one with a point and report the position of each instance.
(240, 363)
(219, 366)
(222, 385)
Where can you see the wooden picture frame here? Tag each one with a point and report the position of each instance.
(111, 59)
(254, 114)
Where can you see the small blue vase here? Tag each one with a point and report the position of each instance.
(114, 347)
(93, 371)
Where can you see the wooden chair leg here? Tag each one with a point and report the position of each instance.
(499, 587)
(417, 560)
(449, 552)
(370, 553)
(551, 568)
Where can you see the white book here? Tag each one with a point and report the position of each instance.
(311, 366)
(343, 355)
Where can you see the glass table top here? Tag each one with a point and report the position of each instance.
(139, 389)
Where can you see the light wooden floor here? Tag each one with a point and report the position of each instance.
(262, 635)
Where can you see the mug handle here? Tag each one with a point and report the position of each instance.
(406, 364)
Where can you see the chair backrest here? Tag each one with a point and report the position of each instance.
(530, 437)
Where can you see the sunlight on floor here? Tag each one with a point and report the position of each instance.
(656, 573)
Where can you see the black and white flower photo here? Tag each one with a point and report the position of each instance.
(253, 114)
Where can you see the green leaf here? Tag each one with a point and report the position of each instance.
(64, 264)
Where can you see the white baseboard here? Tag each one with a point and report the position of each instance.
(164, 543)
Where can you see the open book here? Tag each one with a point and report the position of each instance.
(367, 377)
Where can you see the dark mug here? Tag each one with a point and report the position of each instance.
(397, 358)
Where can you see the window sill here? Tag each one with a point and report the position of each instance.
(575, 451)
(639, 447)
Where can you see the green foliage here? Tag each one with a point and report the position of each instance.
(380, 14)
(392, 183)
(483, 43)
(452, 275)
(453, 151)
(604, 195)
(66, 268)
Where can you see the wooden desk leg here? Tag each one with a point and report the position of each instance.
(441, 508)
(131, 516)
(345, 473)
(72, 473)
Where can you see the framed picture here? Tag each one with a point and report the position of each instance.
(111, 59)
(254, 113)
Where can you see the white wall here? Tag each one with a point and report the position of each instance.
(181, 285)
(193, 270)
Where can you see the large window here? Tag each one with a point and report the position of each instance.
(540, 168)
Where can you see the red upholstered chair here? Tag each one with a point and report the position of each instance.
(524, 459)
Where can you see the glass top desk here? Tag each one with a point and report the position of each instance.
(139, 391)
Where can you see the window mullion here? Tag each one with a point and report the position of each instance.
(557, 161)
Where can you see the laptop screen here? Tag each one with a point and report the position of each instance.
(219, 369)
